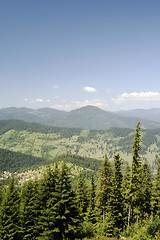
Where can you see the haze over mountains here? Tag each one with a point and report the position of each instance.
(88, 117)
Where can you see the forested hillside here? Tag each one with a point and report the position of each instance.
(50, 142)
(124, 204)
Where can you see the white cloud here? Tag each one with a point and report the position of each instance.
(93, 102)
(89, 89)
(137, 96)
(38, 100)
(55, 86)
(101, 103)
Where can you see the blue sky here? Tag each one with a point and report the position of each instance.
(67, 54)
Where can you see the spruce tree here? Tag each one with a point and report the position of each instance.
(29, 210)
(91, 215)
(135, 187)
(62, 216)
(105, 191)
(156, 192)
(146, 192)
(47, 198)
(82, 195)
(9, 214)
(126, 193)
(67, 214)
(117, 203)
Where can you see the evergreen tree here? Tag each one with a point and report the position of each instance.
(82, 195)
(61, 210)
(47, 198)
(117, 193)
(146, 191)
(29, 210)
(91, 216)
(67, 216)
(156, 192)
(9, 214)
(135, 188)
(105, 191)
(126, 193)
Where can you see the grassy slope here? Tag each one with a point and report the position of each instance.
(50, 142)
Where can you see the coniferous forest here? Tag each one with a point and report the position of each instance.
(123, 203)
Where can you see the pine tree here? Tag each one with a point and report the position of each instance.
(117, 204)
(47, 198)
(135, 188)
(105, 192)
(67, 216)
(91, 215)
(156, 192)
(146, 192)
(82, 195)
(9, 215)
(61, 210)
(29, 210)
(126, 193)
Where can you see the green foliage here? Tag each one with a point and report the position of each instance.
(82, 195)
(15, 161)
(9, 213)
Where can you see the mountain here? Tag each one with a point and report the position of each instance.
(152, 114)
(88, 117)
(42, 115)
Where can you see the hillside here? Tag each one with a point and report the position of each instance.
(88, 117)
(50, 142)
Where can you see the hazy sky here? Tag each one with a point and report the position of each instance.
(66, 54)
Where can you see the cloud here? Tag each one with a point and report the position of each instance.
(55, 86)
(137, 96)
(89, 89)
(101, 103)
(93, 102)
(37, 100)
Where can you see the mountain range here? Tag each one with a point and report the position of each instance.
(88, 117)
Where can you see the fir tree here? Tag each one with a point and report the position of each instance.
(9, 215)
(67, 216)
(126, 193)
(117, 204)
(156, 192)
(105, 191)
(48, 197)
(82, 195)
(61, 210)
(91, 216)
(146, 192)
(135, 188)
(29, 210)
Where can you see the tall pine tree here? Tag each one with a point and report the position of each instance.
(136, 184)
(29, 210)
(82, 195)
(156, 192)
(9, 214)
(117, 193)
(105, 190)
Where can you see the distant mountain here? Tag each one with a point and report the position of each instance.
(42, 115)
(152, 114)
(88, 117)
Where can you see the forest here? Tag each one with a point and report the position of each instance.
(121, 204)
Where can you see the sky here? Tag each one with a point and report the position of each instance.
(66, 54)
